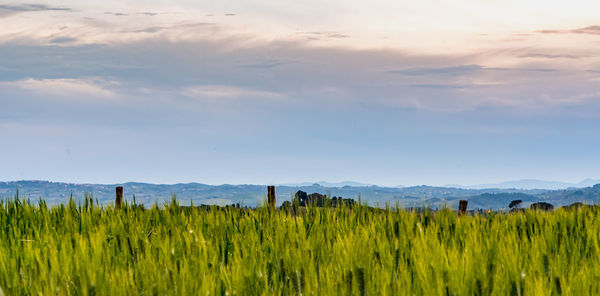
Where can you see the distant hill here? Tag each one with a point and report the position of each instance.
(588, 195)
(252, 195)
(500, 200)
(558, 198)
(532, 184)
(328, 184)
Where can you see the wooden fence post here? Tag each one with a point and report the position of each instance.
(119, 199)
(271, 196)
(462, 207)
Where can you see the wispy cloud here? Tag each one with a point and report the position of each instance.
(324, 35)
(117, 13)
(11, 9)
(63, 40)
(31, 7)
(461, 70)
(226, 91)
(551, 56)
(591, 30)
(147, 13)
(439, 86)
(205, 71)
(152, 29)
(452, 70)
(266, 64)
(65, 88)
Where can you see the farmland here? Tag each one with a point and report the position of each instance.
(82, 248)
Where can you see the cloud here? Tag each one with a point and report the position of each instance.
(439, 86)
(117, 13)
(581, 99)
(337, 35)
(551, 31)
(148, 13)
(537, 70)
(62, 40)
(152, 29)
(174, 31)
(551, 56)
(590, 30)
(226, 91)
(266, 64)
(234, 68)
(461, 70)
(595, 30)
(453, 70)
(318, 35)
(31, 7)
(66, 88)
(8, 10)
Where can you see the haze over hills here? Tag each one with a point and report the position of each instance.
(532, 184)
(512, 184)
(252, 195)
(329, 184)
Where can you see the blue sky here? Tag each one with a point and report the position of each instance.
(389, 93)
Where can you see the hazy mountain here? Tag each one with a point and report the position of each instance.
(587, 195)
(532, 184)
(587, 183)
(252, 195)
(329, 184)
(500, 200)
(558, 198)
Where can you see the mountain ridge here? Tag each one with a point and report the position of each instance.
(252, 195)
(531, 184)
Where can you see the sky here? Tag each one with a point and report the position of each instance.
(269, 92)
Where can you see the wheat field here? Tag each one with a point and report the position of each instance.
(81, 248)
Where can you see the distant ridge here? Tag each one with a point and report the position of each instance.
(529, 184)
(329, 184)
(253, 195)
(57, 192)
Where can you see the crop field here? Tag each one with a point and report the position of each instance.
(81, 248)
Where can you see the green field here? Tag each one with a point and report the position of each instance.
(84, 249)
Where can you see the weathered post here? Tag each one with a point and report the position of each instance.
(119, 199)
(271, 196)
(462, 207)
